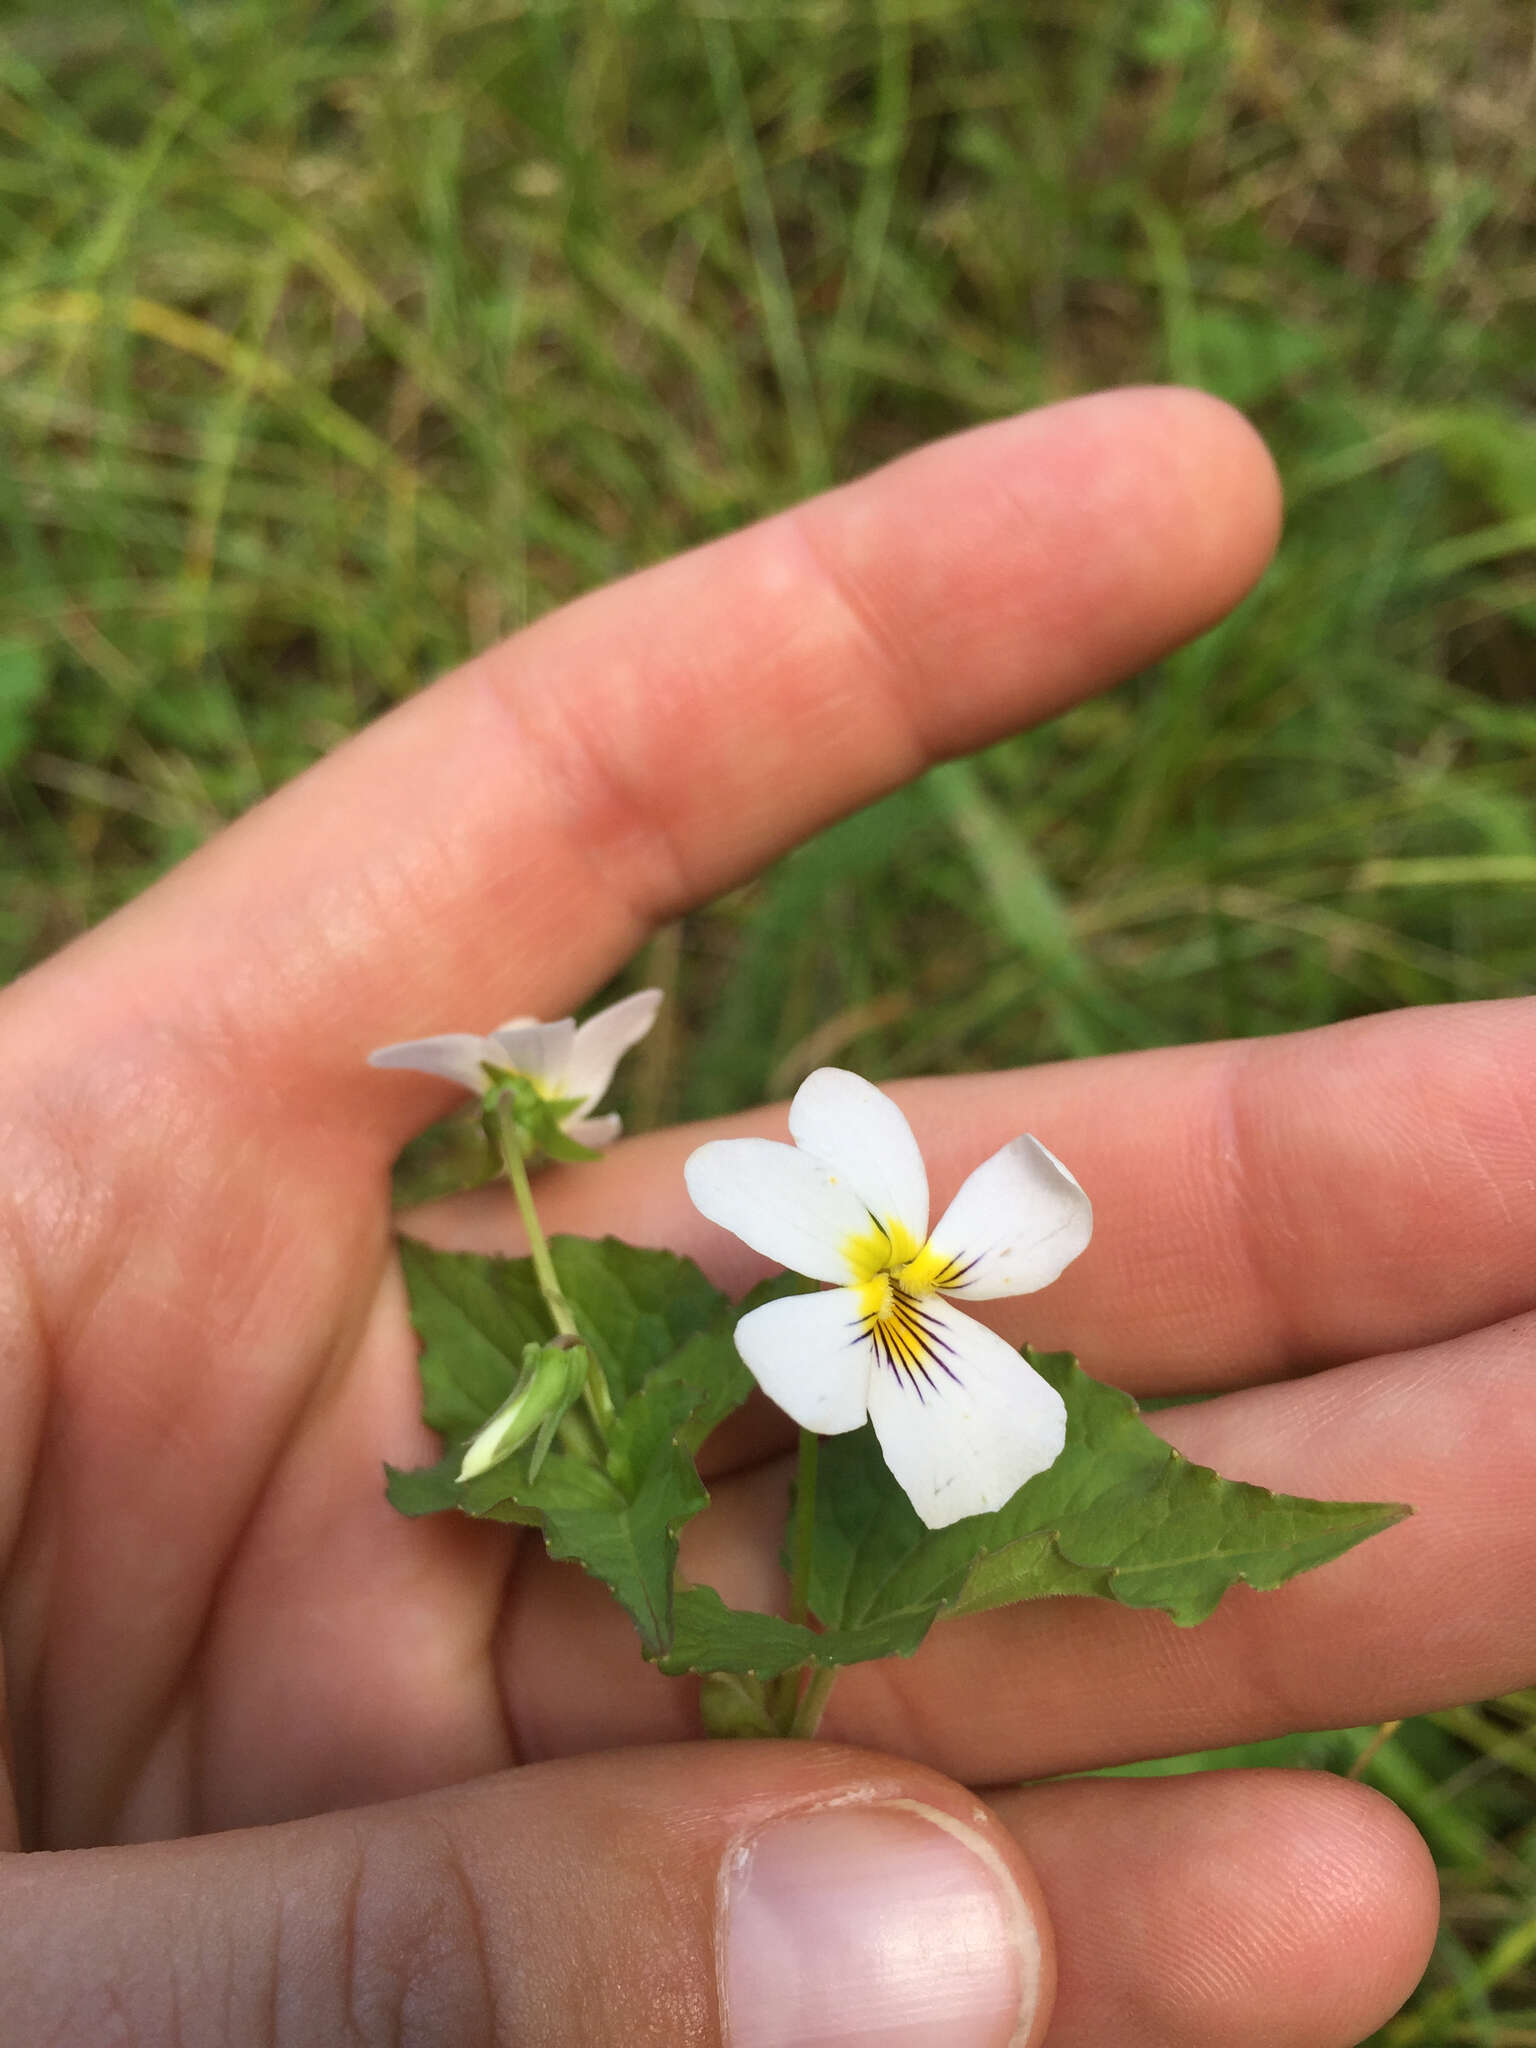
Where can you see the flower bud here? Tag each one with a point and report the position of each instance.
(549, 1384)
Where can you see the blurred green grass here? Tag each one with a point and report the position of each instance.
(337, 340)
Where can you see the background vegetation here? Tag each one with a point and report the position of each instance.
(338, 339)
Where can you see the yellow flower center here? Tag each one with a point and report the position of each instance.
(889, 1264)
(883, 1248)
(925, 1272)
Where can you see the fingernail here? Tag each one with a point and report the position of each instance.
(874, 1927)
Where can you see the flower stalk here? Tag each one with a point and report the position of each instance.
(812, 1704)
(801, 1694)
(804, 1528)
(594, 1393)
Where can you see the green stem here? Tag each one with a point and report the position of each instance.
(595, 1393)
(787, 1699)
(804, 1528)
(813, 1703)
(538, 1244)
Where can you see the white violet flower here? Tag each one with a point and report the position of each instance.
(963, 1420)
(565, 1061)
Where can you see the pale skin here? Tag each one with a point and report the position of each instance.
(211, 1620)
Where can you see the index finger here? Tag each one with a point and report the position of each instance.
(504, 841)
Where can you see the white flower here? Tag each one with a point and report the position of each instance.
(566, 1061)
(961, 1417)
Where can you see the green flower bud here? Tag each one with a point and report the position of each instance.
(548, 1386)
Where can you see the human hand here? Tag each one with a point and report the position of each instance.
(213, 1622)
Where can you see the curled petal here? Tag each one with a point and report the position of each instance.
(851, 1128)
(1018, 1221)
(809, 1353)
(454, 1056)
(779, 1201)
(595, 1131)
(965, 1427)
(541, 1051)
(602, 1042)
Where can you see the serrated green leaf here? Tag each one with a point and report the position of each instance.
(435, 1490)
(473, 1315)
(634, 1306)
(428, 1490)
(625, 1535)
(1120, 1514)
(709, 1636)
(630, 1540)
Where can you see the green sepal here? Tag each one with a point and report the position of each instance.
(549, 1385)
(537, 1122)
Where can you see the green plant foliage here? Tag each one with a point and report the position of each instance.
(662, 1337)
(1119, 1514)
(714, 1637)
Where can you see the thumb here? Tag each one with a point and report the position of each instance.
(753, 1895)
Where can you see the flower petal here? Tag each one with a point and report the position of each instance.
(809, 1353)
(779, 1201)
(596, 1131)
(602, 1042)
(541, 1051)
(849, 1126)
(965, 1429)
(1018, 1221)
(454, 1056)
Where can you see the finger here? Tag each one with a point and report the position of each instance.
(1437, 1610)
(504, 841)
(768, 1896)
(764, 1897)
(1260, 1208)
(1272, 1908)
